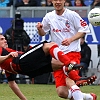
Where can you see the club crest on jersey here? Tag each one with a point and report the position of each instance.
(67, 24)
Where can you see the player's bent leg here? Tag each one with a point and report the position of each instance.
(53, 49)
(56, 64)
(62, 92)
(47, 46)
(75, 90)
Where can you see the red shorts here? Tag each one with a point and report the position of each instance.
(59, 74)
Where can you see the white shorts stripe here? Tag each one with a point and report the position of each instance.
(30, 51)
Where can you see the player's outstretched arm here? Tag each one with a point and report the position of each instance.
(10, 55)
(16, 90)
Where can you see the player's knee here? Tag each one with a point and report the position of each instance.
(47, 46)
(62, 92)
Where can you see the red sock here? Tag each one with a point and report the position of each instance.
(73, 74)
(59, 55)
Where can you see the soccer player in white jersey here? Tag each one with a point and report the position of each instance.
(66, 28)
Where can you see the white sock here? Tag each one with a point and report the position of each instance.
(87, 96)
(76, 93)
(69, 94)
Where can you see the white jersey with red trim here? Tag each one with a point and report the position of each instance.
(65, 26)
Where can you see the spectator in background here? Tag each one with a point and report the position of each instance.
(68, 3)
(10, 3)
(49, 3)
(95, 3)
(3, 3)
(3, 76)
(85, 56)
(43, 3)
(79, 3)
(26, 3)
(38, 2)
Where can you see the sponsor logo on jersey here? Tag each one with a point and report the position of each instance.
(67, 24)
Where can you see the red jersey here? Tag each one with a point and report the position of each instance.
(10, 65)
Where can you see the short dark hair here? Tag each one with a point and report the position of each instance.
(83, 37)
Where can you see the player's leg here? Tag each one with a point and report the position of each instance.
(35, 62)
(86, 96)
(37, 57)
(80, 81)
(56, 64)
(71, 86)
(61, 92)
(56, 53)
(72, 91)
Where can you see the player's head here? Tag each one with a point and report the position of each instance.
(3, 41)
(58, 4)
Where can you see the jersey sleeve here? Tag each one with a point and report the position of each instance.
(45, 22)
(0, 51)
(80, 24)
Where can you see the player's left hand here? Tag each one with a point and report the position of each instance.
(13, 54)
(66, 42)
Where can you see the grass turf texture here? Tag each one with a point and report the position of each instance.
(40, 92)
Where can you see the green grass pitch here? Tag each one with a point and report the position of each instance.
(40, 92)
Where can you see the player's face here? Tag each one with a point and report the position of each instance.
(58, 5)
(3, 42)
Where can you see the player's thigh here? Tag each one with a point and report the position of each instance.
(69, 82)
(59, 78)
(56, 64)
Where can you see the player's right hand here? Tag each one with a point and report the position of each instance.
(39, 25)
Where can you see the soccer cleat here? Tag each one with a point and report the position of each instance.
(86, 80)
(71, 66)
(74, 65)
(94, 96)
(81, 83)
(92, 78)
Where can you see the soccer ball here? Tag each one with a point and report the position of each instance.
(94, 16)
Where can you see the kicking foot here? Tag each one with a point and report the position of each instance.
(74, 65)
(71, 66)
